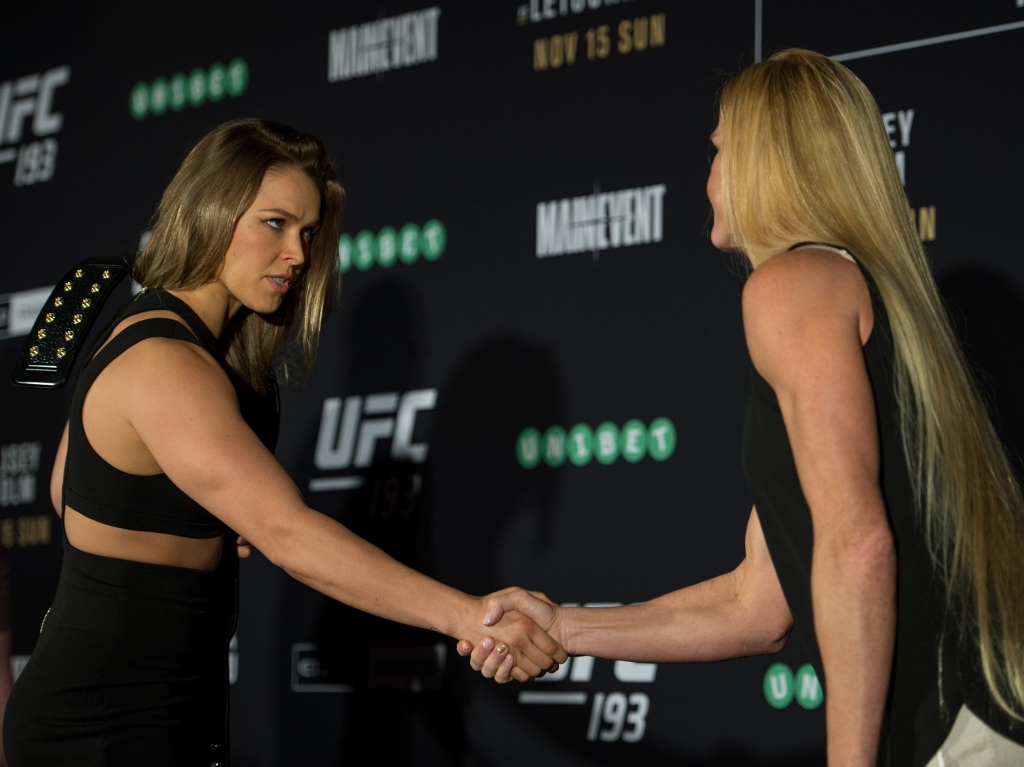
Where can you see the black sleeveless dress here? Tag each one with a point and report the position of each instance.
(131, 663)
(921, 706)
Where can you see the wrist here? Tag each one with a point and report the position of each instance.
(464, 619)
(568, 630)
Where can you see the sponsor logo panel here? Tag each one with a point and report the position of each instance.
(782, 687)
(390, 246)
(348, 438)
(31, 96)
(195, 89)
(601, 221)
(376, 47)
(606, 443)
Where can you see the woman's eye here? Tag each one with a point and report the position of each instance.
(310, 234)
(275, 223)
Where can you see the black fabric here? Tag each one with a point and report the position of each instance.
(920, 707)
(101, 492)
(131, 663)
(128, 669)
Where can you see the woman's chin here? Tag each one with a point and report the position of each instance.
(265, 304)
(723, 242)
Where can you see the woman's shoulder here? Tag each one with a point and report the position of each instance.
(805, 281)
(798, 293)
(161, 352)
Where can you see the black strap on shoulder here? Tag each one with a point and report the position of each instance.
(59, 332)
(161, 300)
(154, 327)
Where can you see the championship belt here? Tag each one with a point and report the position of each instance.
(60, 330)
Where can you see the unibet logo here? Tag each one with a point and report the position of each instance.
(605, 444)
(599, 221)
(388, 246)
(197, 88)
(781, 686)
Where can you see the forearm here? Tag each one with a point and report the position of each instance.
(328, 557)
(853, 586)
(709, 621)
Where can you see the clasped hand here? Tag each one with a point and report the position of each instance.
(524, 640)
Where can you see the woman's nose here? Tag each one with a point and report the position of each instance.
(295, 250)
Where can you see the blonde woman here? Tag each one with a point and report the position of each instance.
(888, 526)
(161, 460)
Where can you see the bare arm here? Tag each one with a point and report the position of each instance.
(740, 613)
(184, 410)
(807, 315)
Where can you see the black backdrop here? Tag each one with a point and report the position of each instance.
(536, 372)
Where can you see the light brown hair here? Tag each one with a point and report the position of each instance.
(196, 219)
(805, 158)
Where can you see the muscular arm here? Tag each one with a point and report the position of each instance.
(184, 410)
(740, 613)
(806, 315)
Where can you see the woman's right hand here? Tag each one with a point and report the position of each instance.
(490, 656)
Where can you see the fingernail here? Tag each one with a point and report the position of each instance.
(488, 618)
(487, 643)
(502, 648)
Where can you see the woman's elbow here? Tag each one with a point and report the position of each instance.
(777, 630)
(870, 553)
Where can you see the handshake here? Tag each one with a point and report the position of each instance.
(526, 637)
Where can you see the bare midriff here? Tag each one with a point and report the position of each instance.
(94, 537)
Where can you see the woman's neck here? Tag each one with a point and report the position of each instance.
(212, 303)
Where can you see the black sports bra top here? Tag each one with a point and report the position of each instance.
(150, 503)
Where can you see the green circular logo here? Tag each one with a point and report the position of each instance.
(387, 246)
(344, 253)
(433, 239)
(197, 87)
(579, 444)
(528, 448)
(807, 688)
(554, 446)
(606, 443)
(661, 439)
(409, 243)
(238, 77)
(364, 250)
(216, 82)
(778, 685)
(158, 96)
(138, 101)
(178, 92)
(633, 440)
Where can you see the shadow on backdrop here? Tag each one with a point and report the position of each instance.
(987, 312)
(401, 710)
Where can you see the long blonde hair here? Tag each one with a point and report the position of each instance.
(805, 158)
(196, 219)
